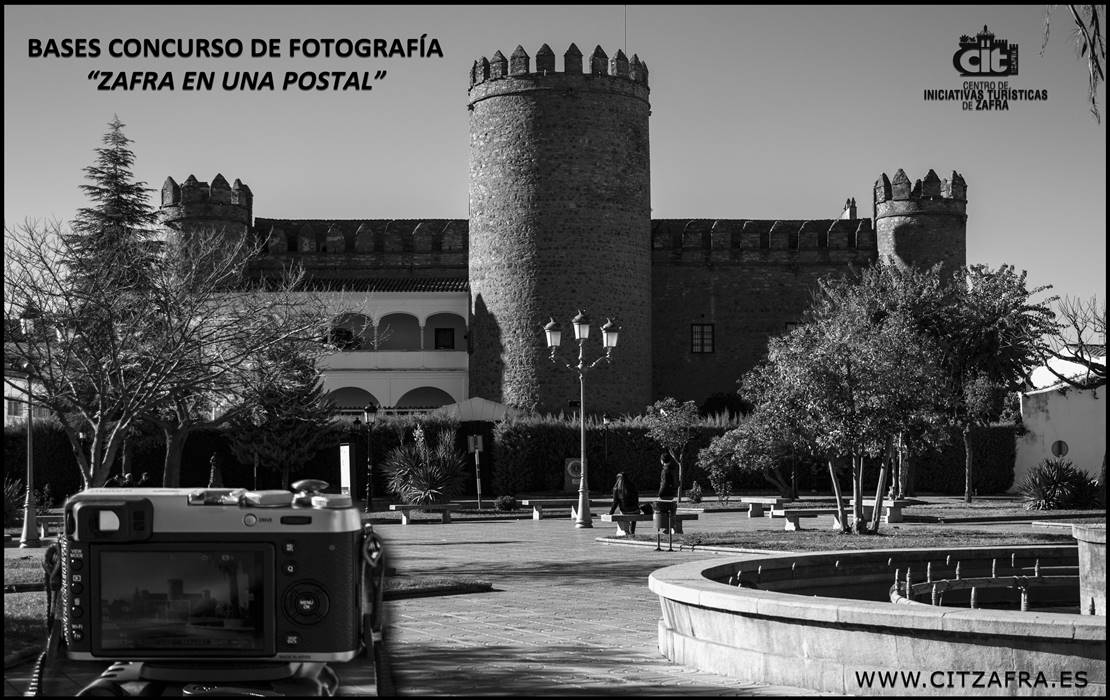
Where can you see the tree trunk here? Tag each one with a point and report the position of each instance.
(775, 479)
(836, 494)
(908, 468)
(175, 449)
(896, 468)
(679, 460)
(127, 457)
(967, 464)
(859, 524)
(877, 511)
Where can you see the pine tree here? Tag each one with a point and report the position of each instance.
(112, 239)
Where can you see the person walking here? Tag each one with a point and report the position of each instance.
(626, 498)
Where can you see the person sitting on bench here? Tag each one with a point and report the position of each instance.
(626, 498)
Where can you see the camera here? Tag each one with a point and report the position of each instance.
(213, 574)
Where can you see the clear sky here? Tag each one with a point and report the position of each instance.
(757, 112)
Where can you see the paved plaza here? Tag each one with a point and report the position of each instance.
(568, 615)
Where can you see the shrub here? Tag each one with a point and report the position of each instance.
(419, 473)
(506, 504)
(1056, 484)
(13, 501)
(695, 493)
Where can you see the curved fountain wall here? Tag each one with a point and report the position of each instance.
(779, 632)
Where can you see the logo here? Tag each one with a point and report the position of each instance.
(985, 56)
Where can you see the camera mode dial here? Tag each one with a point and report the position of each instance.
(307, 490)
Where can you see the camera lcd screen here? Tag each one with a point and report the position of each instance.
(187, 600)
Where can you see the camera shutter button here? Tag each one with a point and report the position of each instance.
(250, 519)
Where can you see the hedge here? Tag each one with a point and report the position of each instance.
(520, 456)
(531, 454)
(56, 465)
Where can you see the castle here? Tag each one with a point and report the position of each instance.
(560, 220)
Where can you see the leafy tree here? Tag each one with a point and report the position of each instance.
(993, 331)
(844, 383)
(756, 445)
(671, 425)
(922, 299)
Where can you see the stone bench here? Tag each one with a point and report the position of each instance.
(756, 503)
(538, 504)
(444, 508)
(892, 510)
(48, 522)
(624, 527)
(794, 515)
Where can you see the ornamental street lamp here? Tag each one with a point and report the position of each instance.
(370, 414)
(30, 536)
(609, 332)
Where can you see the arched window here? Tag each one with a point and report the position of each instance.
(425, 397)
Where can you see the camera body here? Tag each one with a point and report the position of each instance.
(211, 574)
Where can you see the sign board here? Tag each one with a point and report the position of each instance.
(473, 443)
(572, 473)
(345, 468)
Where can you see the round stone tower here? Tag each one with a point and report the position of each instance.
(922, 224)
(560, 220)
(219, 207)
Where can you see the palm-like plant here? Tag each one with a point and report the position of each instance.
(420, 473)
(1055, 484)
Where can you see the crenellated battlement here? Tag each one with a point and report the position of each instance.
(332, 237)
(922, 223)
(763, 235)
(931, 187)
(519, 65)
(218, 206)
(193, 191)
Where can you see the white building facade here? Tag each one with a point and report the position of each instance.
(1061, 421)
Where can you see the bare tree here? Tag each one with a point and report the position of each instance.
(215, 319)
(88, 357)
(173, 349)
(1080, 339)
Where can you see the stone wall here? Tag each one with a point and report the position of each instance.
(749, 278)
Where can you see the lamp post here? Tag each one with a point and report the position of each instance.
(609, 332)
(370, 413)
(30, 535)
(606, 420)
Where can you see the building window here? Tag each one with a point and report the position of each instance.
(445, 338)
(701, 337)
(14, 407)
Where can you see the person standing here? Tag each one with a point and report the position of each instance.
(626, 498)
(215, 471)
(668, 485)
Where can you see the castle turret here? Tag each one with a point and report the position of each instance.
(219, 207)
(924, 223)
(560, 220)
